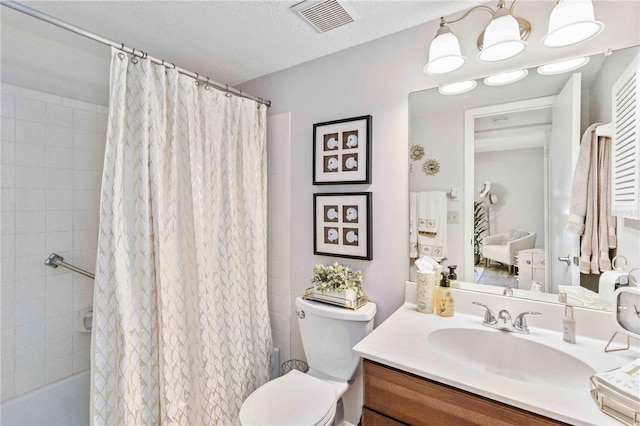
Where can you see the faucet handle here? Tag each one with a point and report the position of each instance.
(489, 317)
(521, 322)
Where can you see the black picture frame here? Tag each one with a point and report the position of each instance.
(342, 151)
(342, 225)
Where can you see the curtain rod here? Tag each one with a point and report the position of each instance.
(74, 29)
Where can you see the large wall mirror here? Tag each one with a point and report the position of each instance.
(504, 158)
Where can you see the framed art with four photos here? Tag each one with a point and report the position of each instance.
(342, 151)
(342, 225)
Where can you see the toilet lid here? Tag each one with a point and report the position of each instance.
(293, 399)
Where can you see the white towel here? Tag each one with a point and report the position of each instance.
(413, 226)
(590, 211)
(431, 206)
(433, 243)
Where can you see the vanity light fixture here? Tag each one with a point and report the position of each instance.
(505, 36)
(457, 88)
(572, 22)
(505, 77)
(563, 66)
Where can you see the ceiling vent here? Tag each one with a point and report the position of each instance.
(325, 15)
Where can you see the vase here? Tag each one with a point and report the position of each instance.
(346, 298)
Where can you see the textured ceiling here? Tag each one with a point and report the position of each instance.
(229, 41)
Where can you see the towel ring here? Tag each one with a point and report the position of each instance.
(613, 262)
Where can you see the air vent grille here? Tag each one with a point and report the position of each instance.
(625, 165)
(324, 15)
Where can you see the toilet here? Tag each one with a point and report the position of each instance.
(328, 333)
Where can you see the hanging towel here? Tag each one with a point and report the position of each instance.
(413, 226)
(432, 208)
(590, 210)
(432, 237)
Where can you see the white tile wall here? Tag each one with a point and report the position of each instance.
(51, 162)
(278, 257)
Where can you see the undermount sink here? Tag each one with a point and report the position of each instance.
(511, 356)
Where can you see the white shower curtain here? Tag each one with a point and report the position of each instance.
(181, 331)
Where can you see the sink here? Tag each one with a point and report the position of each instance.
(510, 356)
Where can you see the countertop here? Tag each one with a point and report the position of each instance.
(401, 342)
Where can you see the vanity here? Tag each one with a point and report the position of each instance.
(426, 369)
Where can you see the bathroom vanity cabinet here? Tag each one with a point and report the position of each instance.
(394, 397)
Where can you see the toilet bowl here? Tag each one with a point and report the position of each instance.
(293, 399)
(328, 333)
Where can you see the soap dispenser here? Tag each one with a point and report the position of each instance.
(444, 298)
(453, 278)
(568, 325)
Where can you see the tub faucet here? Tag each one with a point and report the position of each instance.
(503, 321)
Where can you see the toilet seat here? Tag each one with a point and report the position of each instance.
(293, 399)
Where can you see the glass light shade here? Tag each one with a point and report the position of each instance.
(563, 66)
(572, 22)
(505, 78)
(501, 40)
(457, 88)
(444, 54)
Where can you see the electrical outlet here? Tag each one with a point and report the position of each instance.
(452, 217)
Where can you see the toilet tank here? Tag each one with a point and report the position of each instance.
(329, 332)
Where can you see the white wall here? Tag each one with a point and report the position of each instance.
(441, 136)
(517, 178)
(52, 155)
(376, 78)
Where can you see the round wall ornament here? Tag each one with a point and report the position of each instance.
(416, 152)
(431, 167)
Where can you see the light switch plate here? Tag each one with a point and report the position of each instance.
(453, 217)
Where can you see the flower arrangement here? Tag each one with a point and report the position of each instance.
(337, 278)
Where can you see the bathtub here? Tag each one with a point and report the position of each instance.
(65, 402)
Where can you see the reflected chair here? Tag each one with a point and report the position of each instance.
(504, 247)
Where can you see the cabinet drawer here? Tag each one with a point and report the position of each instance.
(417, 401)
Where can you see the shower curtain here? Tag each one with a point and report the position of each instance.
(181, 325)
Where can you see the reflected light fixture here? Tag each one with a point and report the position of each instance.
(505, 36)
(563, 66)
(457, 88)
(505, 77)
(572, 22)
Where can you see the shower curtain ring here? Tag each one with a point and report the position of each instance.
(197, 79)
(227, 94)
(134, 59)
(207, 87)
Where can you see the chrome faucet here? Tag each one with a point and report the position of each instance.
(508, 291)
(503, 321)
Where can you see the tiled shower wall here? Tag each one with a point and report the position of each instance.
(52, 155)
(278, 263)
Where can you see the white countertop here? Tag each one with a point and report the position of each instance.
(402, 342)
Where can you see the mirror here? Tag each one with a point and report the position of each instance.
(510, 151)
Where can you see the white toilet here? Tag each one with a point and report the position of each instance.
(328, 334)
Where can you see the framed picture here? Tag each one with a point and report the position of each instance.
(342, 225)
(342, 151)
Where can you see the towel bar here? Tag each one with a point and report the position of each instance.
(54, 260)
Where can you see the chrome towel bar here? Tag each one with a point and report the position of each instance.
(54, 260)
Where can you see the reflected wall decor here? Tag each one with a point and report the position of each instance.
(342, 151)
(342, 225)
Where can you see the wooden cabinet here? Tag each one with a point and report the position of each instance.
(393, 397)
(531, 267)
